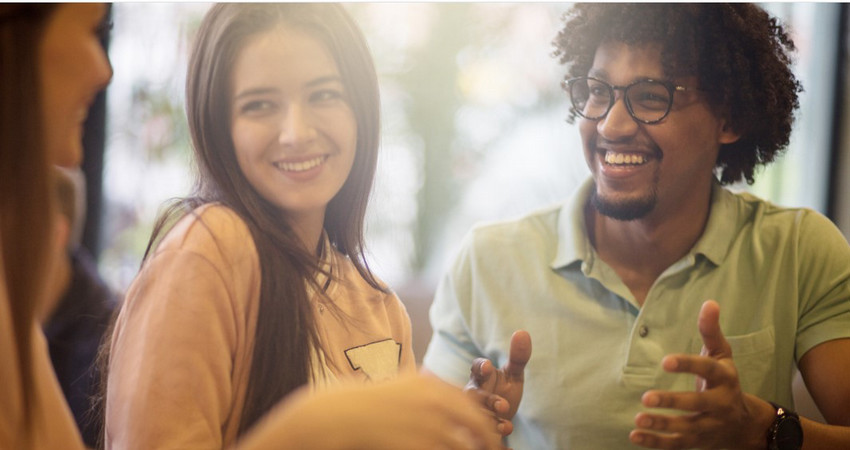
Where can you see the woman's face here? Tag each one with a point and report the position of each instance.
(293, 128)
(73, 68)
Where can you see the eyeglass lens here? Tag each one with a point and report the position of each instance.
(648, 101)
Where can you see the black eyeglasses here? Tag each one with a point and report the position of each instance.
(648, 101)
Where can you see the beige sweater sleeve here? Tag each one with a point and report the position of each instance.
(181, 351)
(407, 363)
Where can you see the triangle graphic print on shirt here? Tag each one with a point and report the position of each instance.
(378, 360)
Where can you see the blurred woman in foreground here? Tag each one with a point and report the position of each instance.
(51, 66)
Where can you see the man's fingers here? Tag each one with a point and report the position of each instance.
(714, 343)
(520, 353)
(644, 438)
(684, 401)
(685, 423)
(481, 371)
(505, 427)
(494, 404)
(477, 423)
(713, 371)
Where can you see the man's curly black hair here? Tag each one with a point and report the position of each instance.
(740, 55)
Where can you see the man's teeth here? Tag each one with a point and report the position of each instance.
(625, 158)
(300, 166)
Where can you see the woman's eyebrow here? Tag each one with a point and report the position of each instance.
(323, 80)
(255, 91)
(270, 90)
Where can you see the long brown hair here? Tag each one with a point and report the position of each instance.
(285, 327)
(26, 198)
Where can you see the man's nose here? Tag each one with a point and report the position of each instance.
(618, 122)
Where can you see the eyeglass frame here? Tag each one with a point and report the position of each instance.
(671, 87)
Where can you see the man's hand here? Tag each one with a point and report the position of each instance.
(718, 414)
(500, 390)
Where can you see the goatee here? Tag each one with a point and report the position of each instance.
(626, 209)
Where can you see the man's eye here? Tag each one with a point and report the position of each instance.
(650, 97)
(651, 100)
(598, 91)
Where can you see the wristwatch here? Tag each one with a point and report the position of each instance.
(785, 433)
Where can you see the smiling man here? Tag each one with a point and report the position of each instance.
(666, 311)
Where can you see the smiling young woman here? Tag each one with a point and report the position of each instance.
(260, 288)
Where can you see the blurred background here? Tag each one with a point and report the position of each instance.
(473, 130)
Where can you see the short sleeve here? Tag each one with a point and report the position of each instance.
(824, 280)
(452, 349)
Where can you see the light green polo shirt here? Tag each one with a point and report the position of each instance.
(780, 275)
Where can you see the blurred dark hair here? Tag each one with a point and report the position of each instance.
(26, 195)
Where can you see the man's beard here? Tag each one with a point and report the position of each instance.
(624, 210)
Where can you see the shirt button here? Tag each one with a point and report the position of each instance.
(643, 331)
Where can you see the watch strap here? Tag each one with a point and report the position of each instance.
(778, 437)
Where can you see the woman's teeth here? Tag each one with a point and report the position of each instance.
(301, 166)
(631, 159)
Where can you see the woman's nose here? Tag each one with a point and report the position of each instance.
(297, 127)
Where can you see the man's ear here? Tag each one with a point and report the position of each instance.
(728, 135)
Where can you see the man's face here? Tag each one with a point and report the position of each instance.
(653, 169)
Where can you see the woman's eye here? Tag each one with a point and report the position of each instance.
(326, 95)
(103, 28)
(257, 106)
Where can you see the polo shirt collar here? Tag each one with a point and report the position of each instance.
(573, 243)
(720, 229)
(715, 242)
